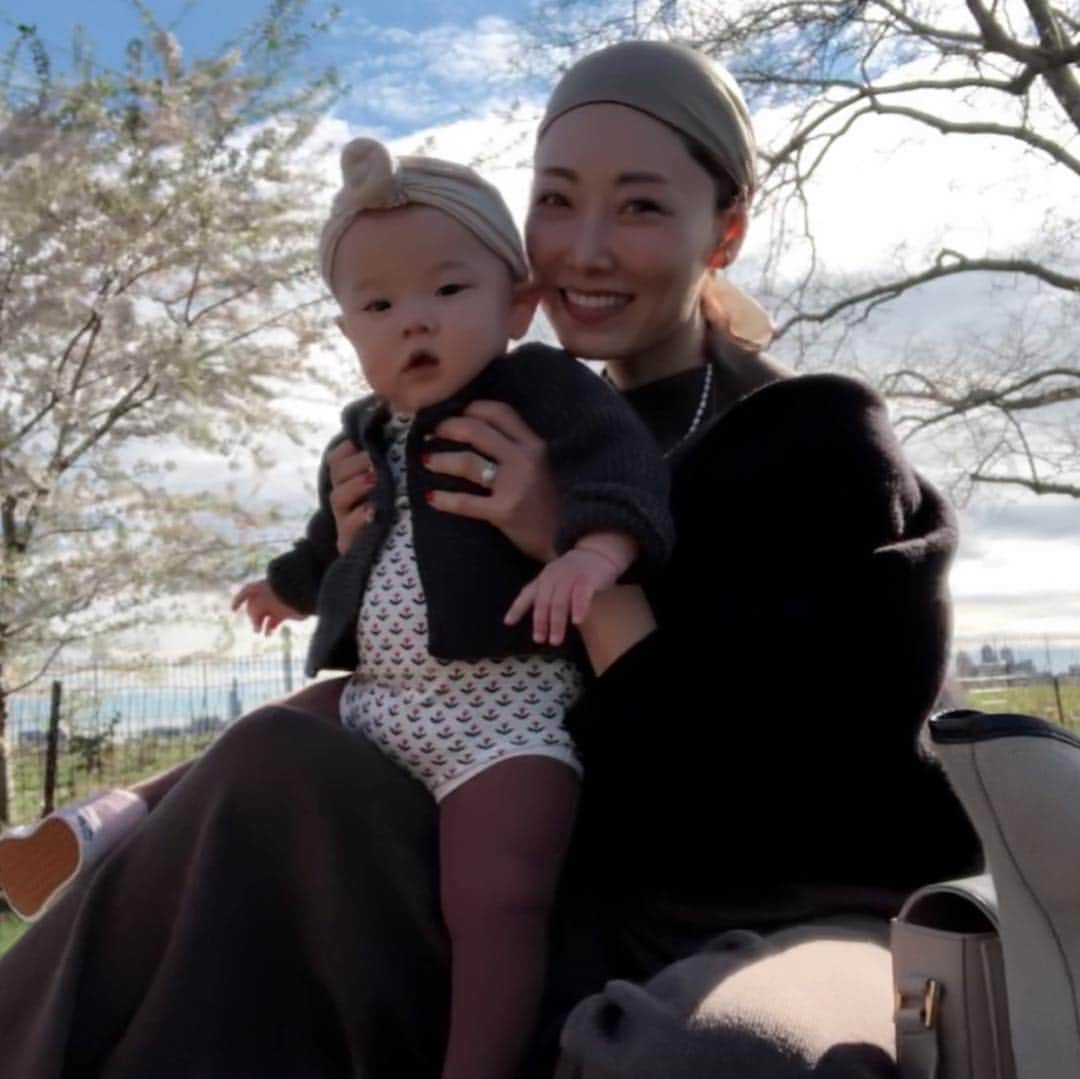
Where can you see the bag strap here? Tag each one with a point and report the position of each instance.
(978, 890)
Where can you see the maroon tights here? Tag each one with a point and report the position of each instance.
(502, 837)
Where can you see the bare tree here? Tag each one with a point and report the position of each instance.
(156, 293)
(1002, 400)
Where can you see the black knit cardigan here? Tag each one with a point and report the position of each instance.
(608, 474)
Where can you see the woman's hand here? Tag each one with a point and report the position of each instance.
(522, 504)
(352, 479)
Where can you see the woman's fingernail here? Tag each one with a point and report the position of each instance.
(425, 459)
(429, 496)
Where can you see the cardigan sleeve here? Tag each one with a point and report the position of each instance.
(608, 471)
(296, 575)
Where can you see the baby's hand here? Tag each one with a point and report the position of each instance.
(565, 587)
(263, 607)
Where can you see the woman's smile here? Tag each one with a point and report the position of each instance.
(593, 307)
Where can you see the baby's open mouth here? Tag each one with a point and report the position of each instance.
(421, 359)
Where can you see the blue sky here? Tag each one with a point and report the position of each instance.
(410, 64)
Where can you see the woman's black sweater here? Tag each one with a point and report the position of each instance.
(764, 738)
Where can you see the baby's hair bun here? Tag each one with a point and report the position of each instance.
(367, 164)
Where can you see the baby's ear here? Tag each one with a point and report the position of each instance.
(523, 303)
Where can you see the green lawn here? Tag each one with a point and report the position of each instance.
(10, 931)
(1035, 700)
(121, 765)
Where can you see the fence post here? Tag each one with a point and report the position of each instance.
(7, 763)
(1057, 697)
(286, 640)
(51, 749)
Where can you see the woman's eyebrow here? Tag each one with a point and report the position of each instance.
(559, 172)
(562, 173)
(640, 178)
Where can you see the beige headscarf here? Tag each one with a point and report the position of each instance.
(694, 95)
(373, 180)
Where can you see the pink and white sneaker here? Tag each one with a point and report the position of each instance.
(38, 861)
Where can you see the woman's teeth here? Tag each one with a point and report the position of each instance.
(596, 299)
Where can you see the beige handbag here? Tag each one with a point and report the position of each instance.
(951, 1012)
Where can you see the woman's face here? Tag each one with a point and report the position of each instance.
(621, 230)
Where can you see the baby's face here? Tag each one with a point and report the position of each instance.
(425, 304)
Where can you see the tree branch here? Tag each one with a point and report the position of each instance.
(1062, 82)
(1039, 487)
(941, 269)
(1054, 150)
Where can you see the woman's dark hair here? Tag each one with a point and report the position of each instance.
(727, 191)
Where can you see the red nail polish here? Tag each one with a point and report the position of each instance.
(429, 496)
(425, 458)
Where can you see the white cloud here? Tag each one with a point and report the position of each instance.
(406, 79)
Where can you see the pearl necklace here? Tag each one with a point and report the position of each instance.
(699, 413)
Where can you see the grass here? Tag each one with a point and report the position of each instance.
(10, 931)
(121, 765)
(1033, 700)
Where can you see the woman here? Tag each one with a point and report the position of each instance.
(749, 742)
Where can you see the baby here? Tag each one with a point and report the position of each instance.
(427, 267)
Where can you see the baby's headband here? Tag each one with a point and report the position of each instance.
(373, 180)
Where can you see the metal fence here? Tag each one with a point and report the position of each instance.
(81, 729)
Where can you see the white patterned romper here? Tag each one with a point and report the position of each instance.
(444, 721)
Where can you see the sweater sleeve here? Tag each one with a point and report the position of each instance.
(608, 471)
(296, 575)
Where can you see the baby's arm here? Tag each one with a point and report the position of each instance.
(263, 607)
(565, 587)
